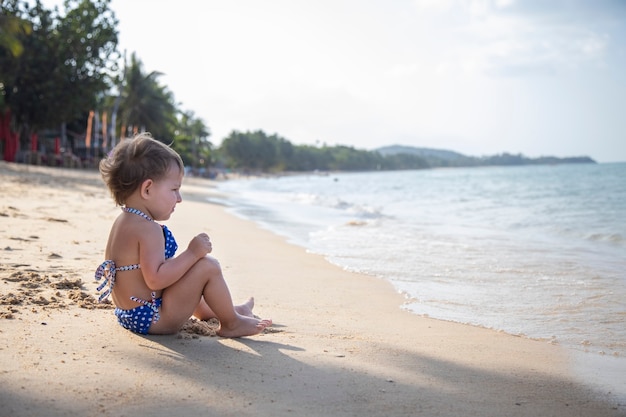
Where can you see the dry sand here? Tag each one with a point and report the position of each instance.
(340, 344)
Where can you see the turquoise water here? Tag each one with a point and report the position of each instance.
(538, 251)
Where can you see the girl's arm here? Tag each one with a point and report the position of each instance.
(160, 273)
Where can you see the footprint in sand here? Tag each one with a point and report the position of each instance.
(12, 212)
(52, 219)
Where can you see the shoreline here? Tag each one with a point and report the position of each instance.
(340, 344)
(564, 294)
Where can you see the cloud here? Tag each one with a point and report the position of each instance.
(519, 38)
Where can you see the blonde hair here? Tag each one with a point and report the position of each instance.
(135, 160)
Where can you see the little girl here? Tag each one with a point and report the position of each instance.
(154, 291)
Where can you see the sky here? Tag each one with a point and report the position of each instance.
(480, 77)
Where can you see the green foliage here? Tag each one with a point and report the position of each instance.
(405, 161)
(251, 150)
(11, 27)
(57, 67)
(507, 159)
(66, 62)
(146, 105)
(257, 151)
(192, 142)
(437, 158)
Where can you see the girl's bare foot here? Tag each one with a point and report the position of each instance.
(245, 309)
(243, 326)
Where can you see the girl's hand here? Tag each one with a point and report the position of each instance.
(200, 245)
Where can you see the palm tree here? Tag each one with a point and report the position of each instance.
(192, 140)
(146, 105)
(10, 27)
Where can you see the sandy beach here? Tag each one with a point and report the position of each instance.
(340, 345)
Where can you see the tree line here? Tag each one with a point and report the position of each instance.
(63, 79)
(258, 151)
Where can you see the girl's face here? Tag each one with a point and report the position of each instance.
(165, 193)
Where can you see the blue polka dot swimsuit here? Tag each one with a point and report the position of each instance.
(140, 318)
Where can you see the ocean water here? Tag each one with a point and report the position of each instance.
(538, 251)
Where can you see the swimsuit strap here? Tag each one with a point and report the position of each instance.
(108, 271)
(151, 304)
(137, 212)
(170, 243)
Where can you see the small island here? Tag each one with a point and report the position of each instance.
(446, 158)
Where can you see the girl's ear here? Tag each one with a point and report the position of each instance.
(145, 188)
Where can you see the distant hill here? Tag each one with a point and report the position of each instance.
(425, 152)
(445, 158)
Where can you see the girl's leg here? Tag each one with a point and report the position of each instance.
(217, 296)
(204, 312)
(181, 299)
